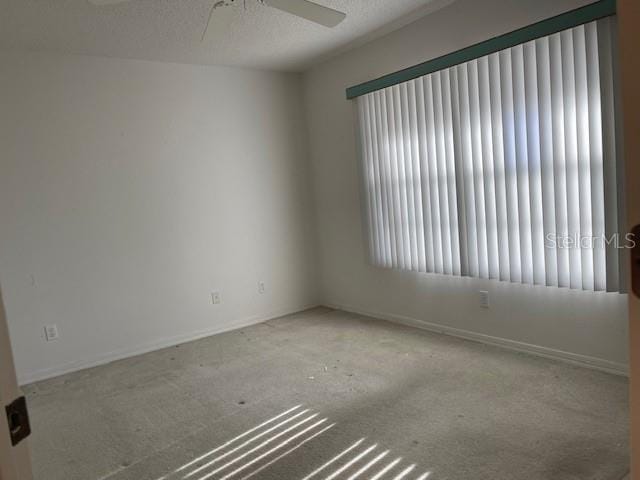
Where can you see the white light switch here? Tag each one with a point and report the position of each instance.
(215, 298)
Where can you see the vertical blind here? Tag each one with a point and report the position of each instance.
(503, 167)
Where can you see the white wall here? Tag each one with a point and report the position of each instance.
(577, 325)
(130, 190)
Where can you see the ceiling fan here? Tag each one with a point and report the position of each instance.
(300, 8)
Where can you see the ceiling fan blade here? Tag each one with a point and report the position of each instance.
(106, 2)
(311, 11)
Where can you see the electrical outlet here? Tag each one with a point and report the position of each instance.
(261, 287)
(484, 298)
(215, 298)
(51, 333)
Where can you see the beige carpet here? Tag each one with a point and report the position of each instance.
(337, 394)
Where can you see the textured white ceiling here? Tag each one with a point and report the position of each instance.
(170, 30)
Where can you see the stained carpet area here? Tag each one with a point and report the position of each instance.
(328, 395)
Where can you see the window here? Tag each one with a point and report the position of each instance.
(503, 167)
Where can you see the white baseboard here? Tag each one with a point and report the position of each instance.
(103, 358)
(573, 358)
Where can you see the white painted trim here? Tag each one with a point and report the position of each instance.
(569, 357)
(159, 344)
(101, 359)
